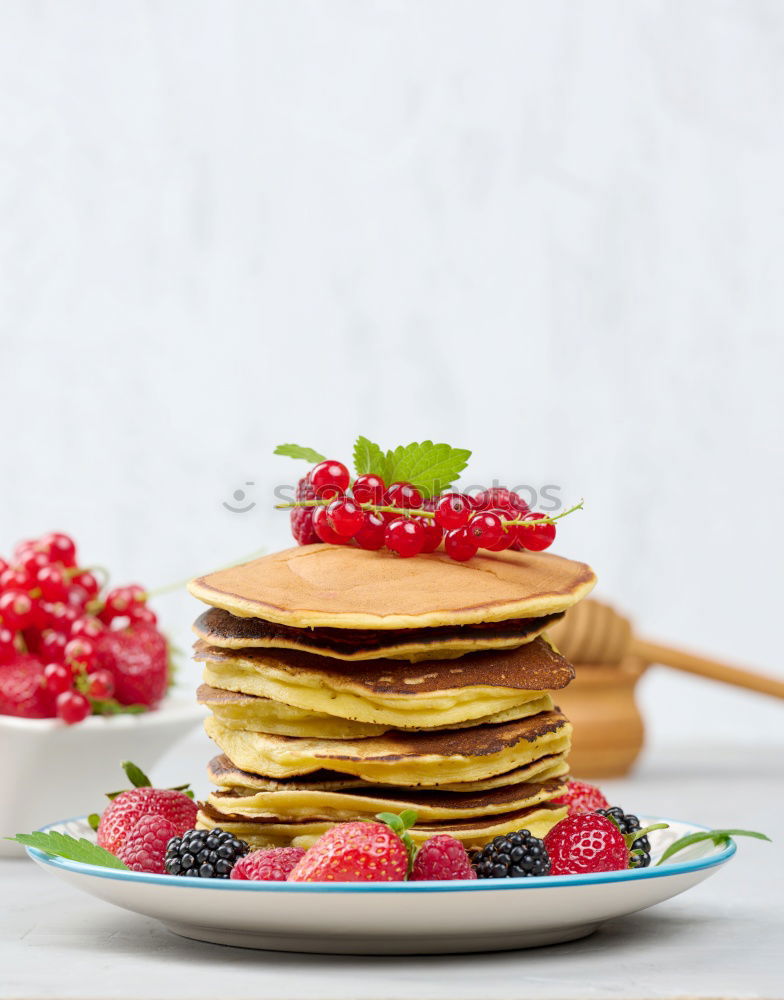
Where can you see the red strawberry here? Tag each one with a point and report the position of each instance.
(125, 811)
(145, 846)
(579, 845)
(354, 852)
(439, 858)
(22, 690)
(271, 865)
(581, 797)
(137, 658)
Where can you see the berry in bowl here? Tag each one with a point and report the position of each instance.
(85, 675)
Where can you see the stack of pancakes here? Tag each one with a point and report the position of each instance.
(344, 682)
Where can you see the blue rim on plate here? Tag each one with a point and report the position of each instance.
(468, 885)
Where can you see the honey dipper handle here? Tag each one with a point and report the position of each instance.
(668, 657)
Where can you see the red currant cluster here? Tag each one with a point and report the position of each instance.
(54, 625)
(330, 508)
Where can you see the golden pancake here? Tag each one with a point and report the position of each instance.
(539, 820)
(431, 805)
(216, 627)
(392, 692)
(341, 586)
(226, 776)
(250, 713)
(398, 758)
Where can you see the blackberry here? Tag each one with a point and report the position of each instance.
(628, 823)
(516, 855)
(204, 853)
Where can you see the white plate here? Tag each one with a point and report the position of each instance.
(393, 918)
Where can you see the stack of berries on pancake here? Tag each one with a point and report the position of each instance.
(344, 682)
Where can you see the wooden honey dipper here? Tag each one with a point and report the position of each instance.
(595, 633)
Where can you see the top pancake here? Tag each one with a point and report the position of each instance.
(341, 586)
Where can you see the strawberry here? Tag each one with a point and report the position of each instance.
(271, 865)
(439, 858)
(356, 852)
(581, 797)
(137, 658)
(584, 844)
(145, 846)
(122, 814)
(22, 690)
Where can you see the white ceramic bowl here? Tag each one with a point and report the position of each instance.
(51, 769)
(393, 918)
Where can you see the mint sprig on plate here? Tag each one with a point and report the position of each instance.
(719, 837)
(61, 845)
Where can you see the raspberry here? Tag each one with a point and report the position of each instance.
(354, 852)
(22, 688)
(272, 865)
(581, 845)
(439, 858)
(124, 812)
(302, 517)
(499, 498)
(138, 659)
(145, 846)
(581, 797)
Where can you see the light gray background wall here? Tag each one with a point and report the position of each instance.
(550, 232)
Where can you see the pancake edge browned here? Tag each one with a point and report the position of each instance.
(538, 666)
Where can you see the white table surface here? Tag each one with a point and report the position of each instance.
(723, 939)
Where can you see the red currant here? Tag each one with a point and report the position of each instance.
(459, 545)
(537, 538)
(404, 496)
(371, 534)
(87, 582)
(56, 615)
(369, 489)
(87, 626)
(329, 479)
(323, 528)
(486, 528)
(80, 653)
(3, 565)
(433, 533)
(72, 707)
(52, 583)
(345, 517)
(27, 545)
(57, 678)
(508, 536)
(52, 645)
(140, 614)
(7, 644)
(405, 537)
(33, 560)
(452, 511)
(122, 600)
(101, 684)
(16, 578)
(17, 609)
(59, 548)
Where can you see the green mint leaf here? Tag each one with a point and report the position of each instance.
(135, 775)
(432, 468)
(94, 820)
(297, 451)
(635, 835)
(718, 837)
(63, 846)
(368, 457)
